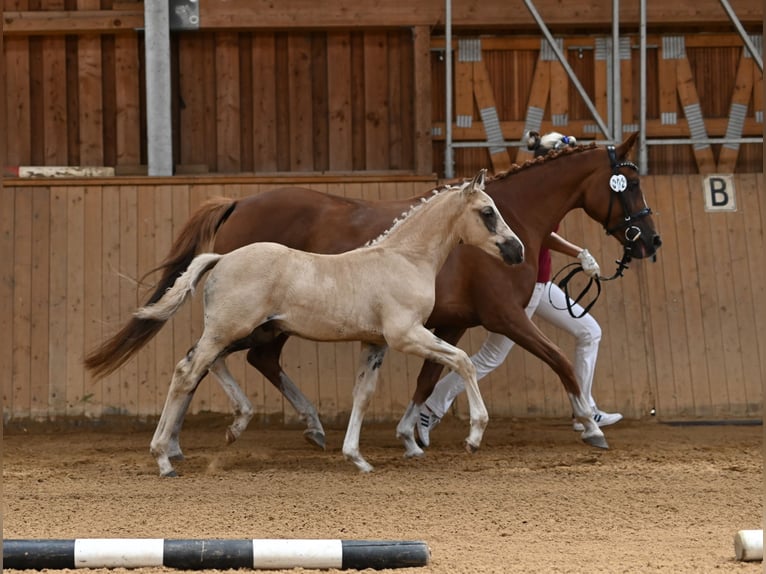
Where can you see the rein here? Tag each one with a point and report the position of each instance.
(618, 183)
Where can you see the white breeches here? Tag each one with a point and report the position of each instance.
(549, 302)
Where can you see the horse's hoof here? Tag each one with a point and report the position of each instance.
(171, 474)
(470, 448)
(315, 437)
(597, 441)
(414, 453)
(230, 436)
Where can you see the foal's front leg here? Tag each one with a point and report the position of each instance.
(421, 342)
(370, 361)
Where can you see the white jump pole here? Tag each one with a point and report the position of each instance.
(221, 554)
(748, 545)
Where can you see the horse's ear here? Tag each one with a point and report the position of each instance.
(625, 147)
(477, 182)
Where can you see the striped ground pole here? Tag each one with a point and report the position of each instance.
(222, 554)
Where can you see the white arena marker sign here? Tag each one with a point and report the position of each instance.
(719, 192)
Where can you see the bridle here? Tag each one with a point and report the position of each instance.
(618, 184)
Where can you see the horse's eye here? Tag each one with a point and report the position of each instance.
(487, 212)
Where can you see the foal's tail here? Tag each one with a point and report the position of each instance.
(171, 301)
(196, 237)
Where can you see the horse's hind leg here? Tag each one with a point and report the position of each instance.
(186, 377)
(243, 408)
(370, 360)
(265, 358)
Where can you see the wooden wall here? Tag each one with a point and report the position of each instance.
(264, 88)
(681, 335)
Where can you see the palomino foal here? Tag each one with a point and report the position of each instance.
(380, 294)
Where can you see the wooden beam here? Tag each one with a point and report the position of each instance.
(510, 14)
(715, 127)
(422, 71)
(49, 22)
(743, 89)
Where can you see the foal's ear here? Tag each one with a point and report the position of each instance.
(478, 180)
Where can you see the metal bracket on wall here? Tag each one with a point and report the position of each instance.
(184, 14)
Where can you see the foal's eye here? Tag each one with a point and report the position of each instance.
(487, 212)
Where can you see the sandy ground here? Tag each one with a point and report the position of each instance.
(533, 499)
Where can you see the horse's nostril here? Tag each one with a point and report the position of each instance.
(657, 241)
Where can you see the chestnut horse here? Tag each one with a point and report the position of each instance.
(471, 289)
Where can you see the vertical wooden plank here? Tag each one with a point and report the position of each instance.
(264, 103)
(92, 294)
(38, 319)
(90, 92)
(110, 289)
(376, 100)
(395, 119)
(54, 94)
(421, 37)
(128, 120)
(208, 87)
(301, 122)
(246, 100)
(743, 88)
(128, 289)
(182, 320)
(193, 138)
(339, 97)
(21, 302)
(75, 290)
(17, 101)
(283, 104)
(146, 259)
(165, 357)
(320, 104)
(227, 101)
(7, 248)
(57, 330)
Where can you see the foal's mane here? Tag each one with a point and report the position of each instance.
(415, 207)
(550, 156)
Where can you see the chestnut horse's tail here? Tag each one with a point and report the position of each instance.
(195, 237)
(171, 301)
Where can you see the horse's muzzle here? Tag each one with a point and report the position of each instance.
(647, 248)
(512, 251)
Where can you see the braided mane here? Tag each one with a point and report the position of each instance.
(550, 156)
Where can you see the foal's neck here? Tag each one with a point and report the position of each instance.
(428, 232)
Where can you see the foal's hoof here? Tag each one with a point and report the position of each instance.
(597, 441)
(171, 474)
(470, 448)
(230, 436)
(315, 437)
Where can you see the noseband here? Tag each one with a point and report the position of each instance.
(618, 184)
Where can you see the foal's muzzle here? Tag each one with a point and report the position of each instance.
(512, 251)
